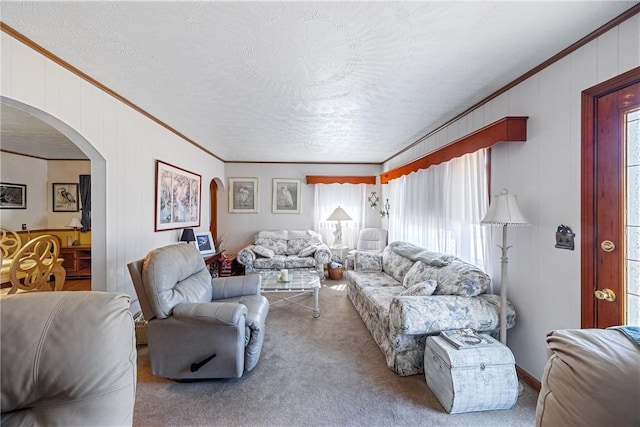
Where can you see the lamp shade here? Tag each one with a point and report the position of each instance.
(339, 215)
(74, 223)
(504, 211)
(188, 235)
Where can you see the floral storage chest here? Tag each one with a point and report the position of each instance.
(470, 379)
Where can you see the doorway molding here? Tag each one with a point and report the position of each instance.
(589, 194)
(98, 193)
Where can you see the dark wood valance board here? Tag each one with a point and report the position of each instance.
(508, 129)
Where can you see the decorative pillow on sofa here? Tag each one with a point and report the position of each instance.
(367, 262)
(263, 251)
(419, 272)
(308, 251)
(278, 246)
(422, 289)
(461, 278)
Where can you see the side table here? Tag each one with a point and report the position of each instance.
(340, 251)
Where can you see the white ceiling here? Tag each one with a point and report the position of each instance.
(305, 81)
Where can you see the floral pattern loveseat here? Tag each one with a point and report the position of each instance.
(290, 249)
(407, 293)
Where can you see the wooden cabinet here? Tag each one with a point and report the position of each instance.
(77, 261)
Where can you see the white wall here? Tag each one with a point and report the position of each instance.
(126, 141)
(544, 282)
(39, 175)
(32, 172)
(239, 228)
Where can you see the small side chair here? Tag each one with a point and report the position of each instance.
(32, 266)
(198, 327)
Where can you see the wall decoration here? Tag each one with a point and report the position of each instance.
(65, 197)
(177, 197)
(243, 195)
(13, 196)
(286, 195)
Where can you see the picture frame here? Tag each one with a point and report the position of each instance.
(286, 196)
(205, 243)
(64, 197)
(243, 195)
(13, 196)
(178, 197)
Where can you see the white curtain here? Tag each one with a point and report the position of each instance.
(351, 198)
(440, 208)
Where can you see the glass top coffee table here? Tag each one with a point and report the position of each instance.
(300, 283)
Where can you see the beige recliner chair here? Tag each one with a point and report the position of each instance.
(68, 359)
(198, 327)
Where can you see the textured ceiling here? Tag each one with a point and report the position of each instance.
(306, 81)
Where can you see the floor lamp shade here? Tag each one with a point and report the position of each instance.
(504, 211)
(338, 214)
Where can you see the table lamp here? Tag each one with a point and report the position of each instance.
(504, 211)
(338, 215)
(188, 235)
(75, 224)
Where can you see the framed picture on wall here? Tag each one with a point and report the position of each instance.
(65, 197)
(243, 195)
(13, 196)
(286, 195)
(177, 197)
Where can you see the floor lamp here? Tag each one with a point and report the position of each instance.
(338, 214)
(504, 211)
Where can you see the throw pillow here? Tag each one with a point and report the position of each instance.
(422, 289)
(419, 272)
(367, 262)
(308, 251)
(263, 251)
(461, 278)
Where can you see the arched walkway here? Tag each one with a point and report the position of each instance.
(98, 193)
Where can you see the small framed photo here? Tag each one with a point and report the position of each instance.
(204, 242)
(65, 197)
(286, 195)
(177, 197)
(13, 196)
(243, 195)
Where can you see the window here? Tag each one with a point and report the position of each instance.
(351, 198)
(440, 208)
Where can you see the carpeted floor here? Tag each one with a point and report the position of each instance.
(324, 372)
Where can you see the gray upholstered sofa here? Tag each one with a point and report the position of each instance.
(406, 293)
(290, 249)
(68, 359)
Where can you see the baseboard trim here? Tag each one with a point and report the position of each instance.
(528, 379)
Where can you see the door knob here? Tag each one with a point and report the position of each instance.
(605, 294)
(607, 245)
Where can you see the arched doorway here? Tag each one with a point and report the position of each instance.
(214, 187)
(98, 193)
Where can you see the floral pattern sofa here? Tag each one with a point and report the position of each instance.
(290, 249)
(406, 293)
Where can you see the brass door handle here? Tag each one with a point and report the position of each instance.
(605, 294)
(607, 245)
